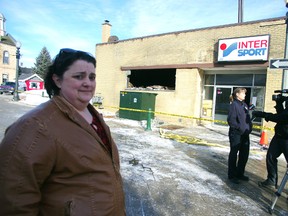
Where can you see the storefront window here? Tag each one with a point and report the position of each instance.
(215, 104)
(234, 79)
(258, 100)
(209, 79)
(260, 80)
(209, 91)
(207, 104)
(258, 97)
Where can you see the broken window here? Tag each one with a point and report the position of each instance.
(152, 79)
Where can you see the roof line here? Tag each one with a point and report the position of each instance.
(197, 65)
(198, 29)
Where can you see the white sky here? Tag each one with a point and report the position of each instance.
(77, 24)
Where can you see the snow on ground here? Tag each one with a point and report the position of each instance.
(165, 177)
(164, 162)
(34, 97)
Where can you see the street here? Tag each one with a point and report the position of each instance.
(168, 178)
(10, 111)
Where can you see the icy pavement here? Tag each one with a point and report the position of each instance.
(165, 177)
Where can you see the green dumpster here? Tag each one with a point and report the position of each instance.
(141, 101)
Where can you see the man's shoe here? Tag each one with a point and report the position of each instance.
(243, 178)
(234, 180)
(267, 184)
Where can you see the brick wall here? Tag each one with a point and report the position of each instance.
(182, 48)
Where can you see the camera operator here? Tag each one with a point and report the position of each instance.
(279, 142)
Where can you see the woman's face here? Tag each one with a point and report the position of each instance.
(241, 95)
(78, 83)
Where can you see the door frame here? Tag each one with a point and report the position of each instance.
(215, 98)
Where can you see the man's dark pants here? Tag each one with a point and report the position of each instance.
(278, 145)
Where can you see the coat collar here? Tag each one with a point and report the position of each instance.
(72, 113)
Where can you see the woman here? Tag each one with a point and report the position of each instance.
(60, 159)
(240, 127)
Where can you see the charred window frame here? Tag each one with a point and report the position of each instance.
(152, 79)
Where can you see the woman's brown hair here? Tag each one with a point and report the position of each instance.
(233, 96)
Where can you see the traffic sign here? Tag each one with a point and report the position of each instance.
(278, 64)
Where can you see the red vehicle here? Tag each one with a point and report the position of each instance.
(7, 87)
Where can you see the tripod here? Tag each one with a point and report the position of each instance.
(279, 191)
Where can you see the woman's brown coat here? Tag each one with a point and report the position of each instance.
(52, 162)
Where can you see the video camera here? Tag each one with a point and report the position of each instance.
(280, 97)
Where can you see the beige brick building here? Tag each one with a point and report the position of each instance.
(184, 68)
(7, 54)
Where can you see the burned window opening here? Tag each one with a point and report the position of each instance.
(155, 79)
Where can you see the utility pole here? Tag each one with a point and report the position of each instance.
(240, 11)
(285, 71)
(16, 91)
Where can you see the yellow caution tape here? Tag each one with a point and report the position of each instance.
(187, 139)
(190, 139)
(188, 117)
(197, 141)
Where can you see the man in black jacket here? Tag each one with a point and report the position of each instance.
(279, 142)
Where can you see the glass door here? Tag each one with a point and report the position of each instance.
(222, 104)
(258, 97)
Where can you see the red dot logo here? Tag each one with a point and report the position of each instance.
(223, 46)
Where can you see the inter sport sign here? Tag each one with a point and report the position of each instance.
(253, 48)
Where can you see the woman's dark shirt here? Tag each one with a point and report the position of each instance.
(96, 125)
